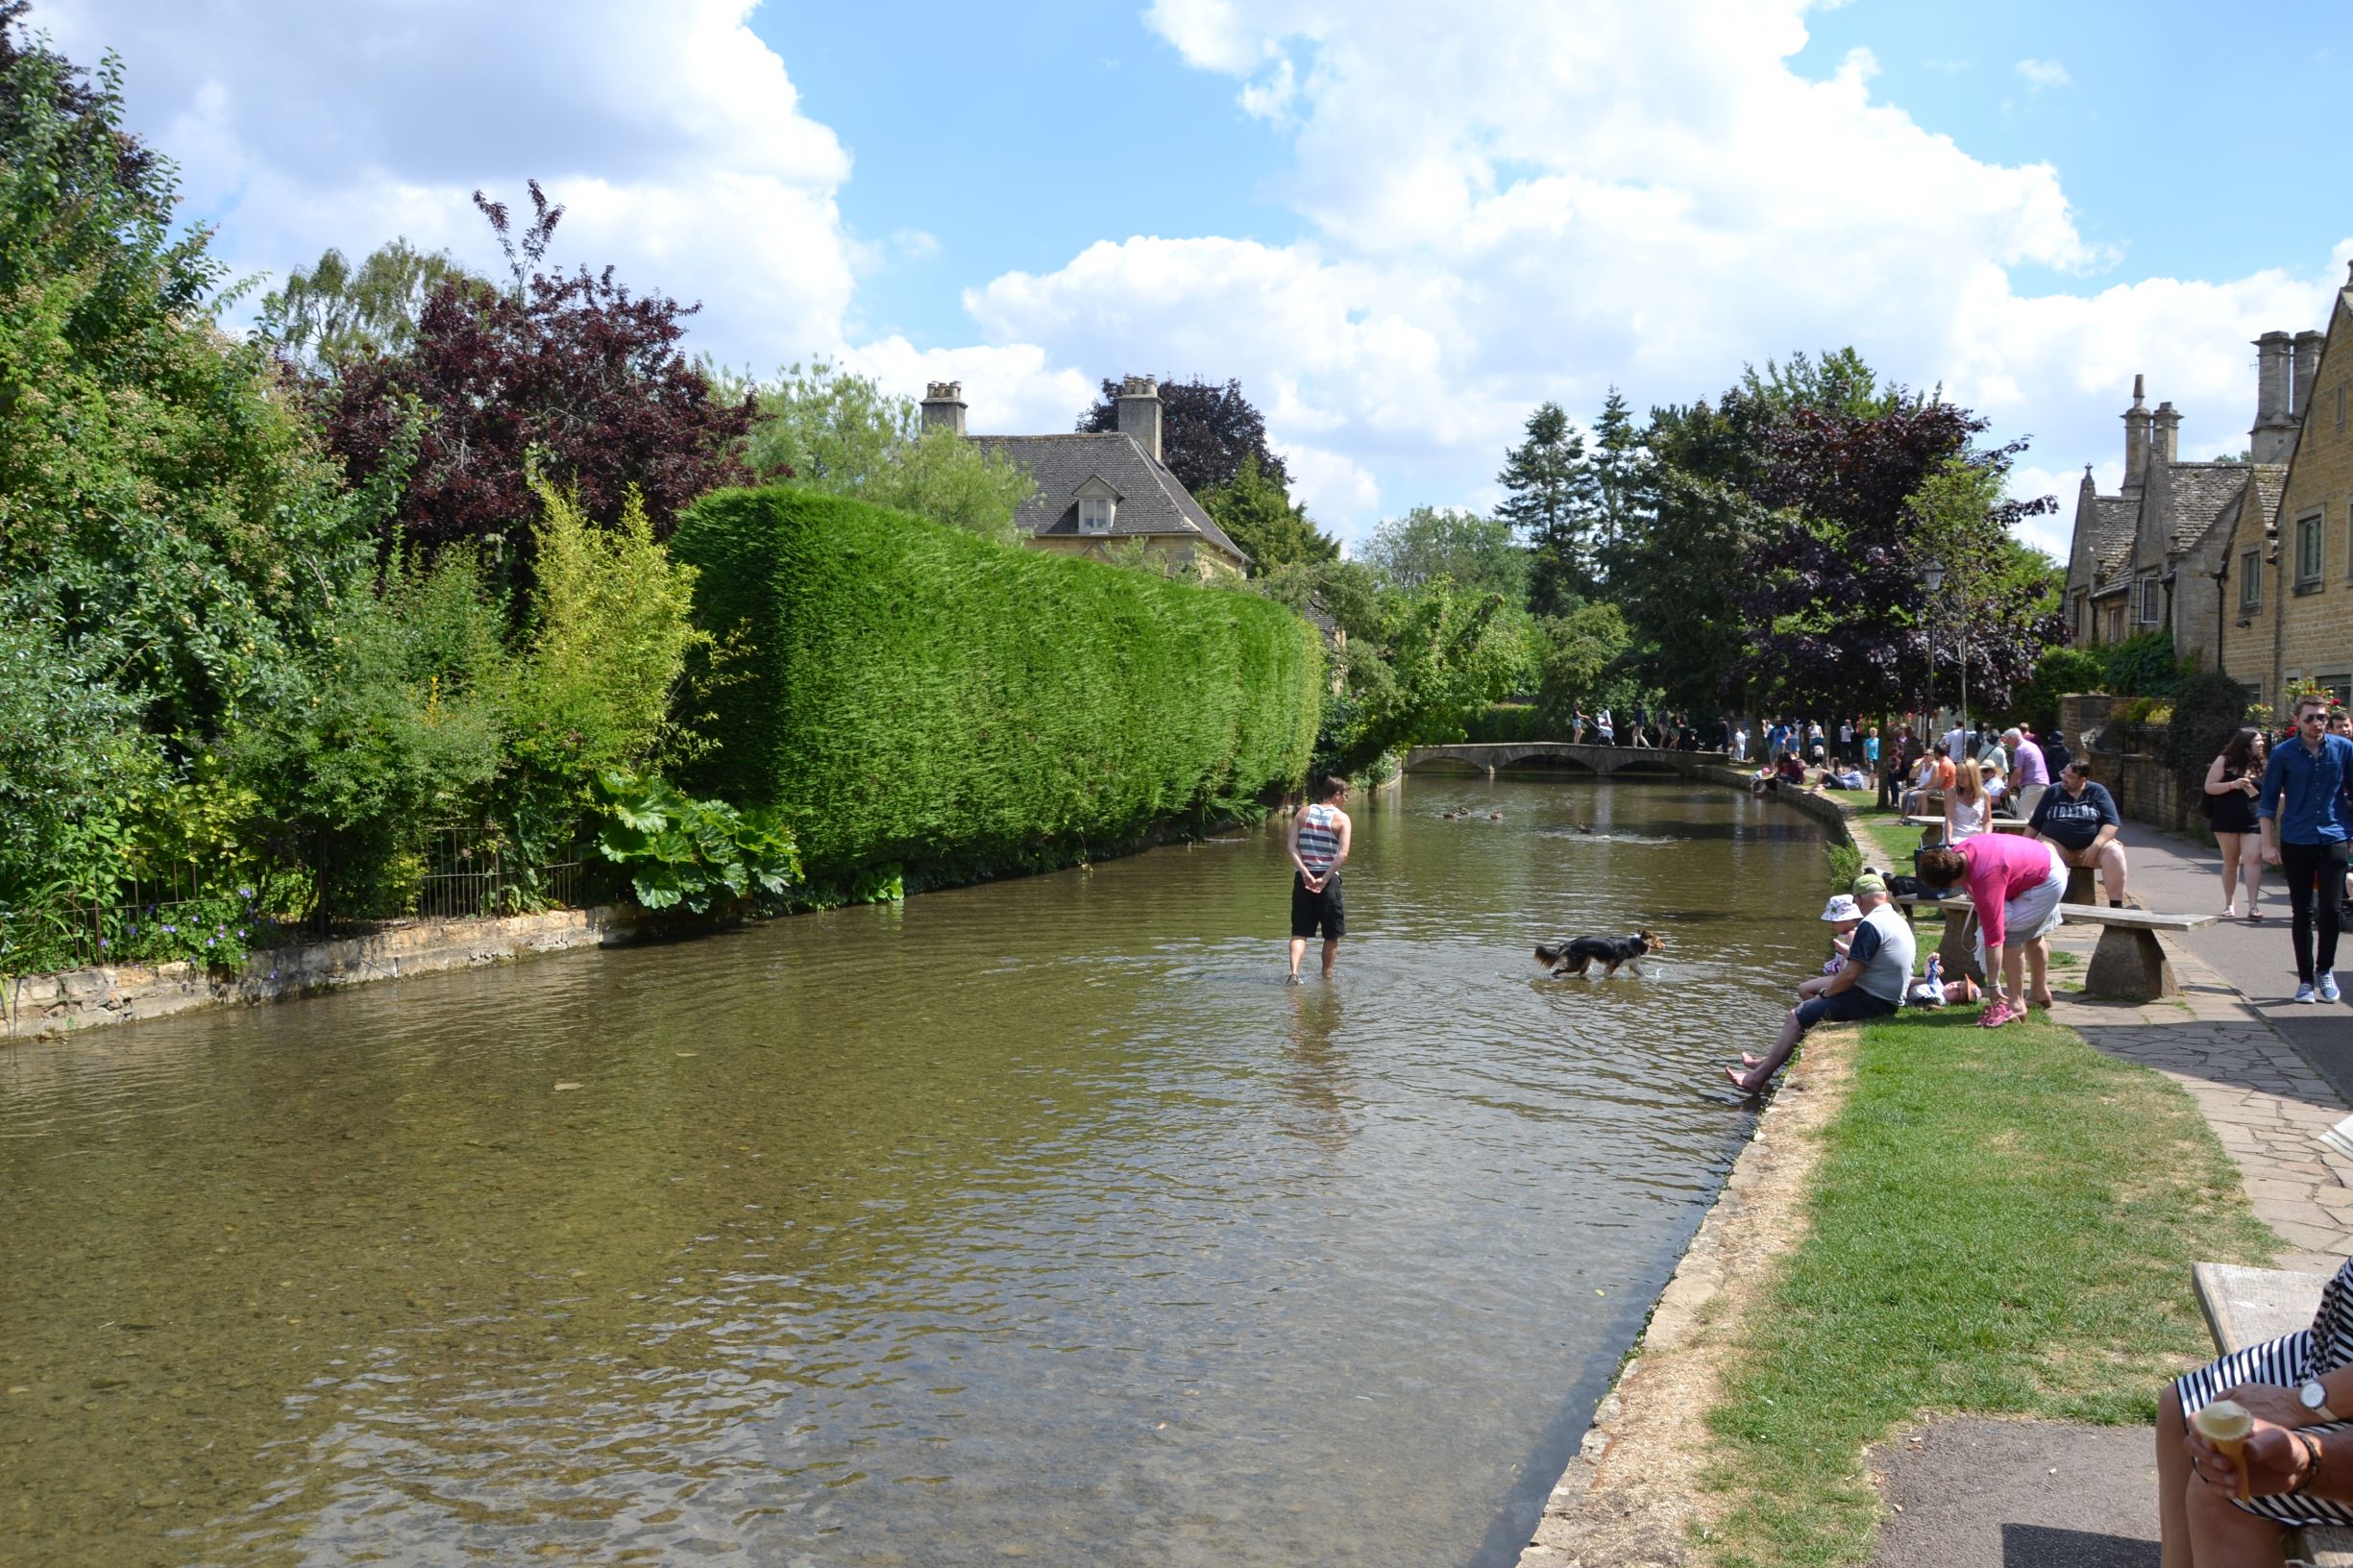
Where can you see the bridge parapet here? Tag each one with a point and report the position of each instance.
(1601, 759)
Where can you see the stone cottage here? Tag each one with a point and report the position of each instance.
(1103, 495)
(2290, 566)
(2151, 557)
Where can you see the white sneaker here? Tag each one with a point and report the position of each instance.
(2303, 992)
(2328, 988)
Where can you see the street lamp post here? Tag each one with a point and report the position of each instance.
(1932, 572)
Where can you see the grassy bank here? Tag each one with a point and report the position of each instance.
(1878, 831)
(2001, 1223)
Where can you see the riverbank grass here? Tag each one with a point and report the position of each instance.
(2001, 1223)
(1878, 830)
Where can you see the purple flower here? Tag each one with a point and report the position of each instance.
(245, 893)
(173, 929)
(207, 941)
(273, 974)
(240, 933)
(102, 942)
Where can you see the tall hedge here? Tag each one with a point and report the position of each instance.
(913, 694)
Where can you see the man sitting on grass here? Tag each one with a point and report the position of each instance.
(1869, 985)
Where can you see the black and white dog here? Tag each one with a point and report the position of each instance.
(1578, 956)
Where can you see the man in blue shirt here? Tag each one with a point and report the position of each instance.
(2306, 808)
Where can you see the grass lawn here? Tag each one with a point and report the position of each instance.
(2002, 1222)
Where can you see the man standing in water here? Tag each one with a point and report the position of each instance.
(1320, 847)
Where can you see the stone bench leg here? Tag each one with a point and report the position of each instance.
(2129, 967)
(1958, 951)
(2082, 886)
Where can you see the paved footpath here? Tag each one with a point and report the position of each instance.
(2271, 1076)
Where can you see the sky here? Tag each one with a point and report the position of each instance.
(1401, 225)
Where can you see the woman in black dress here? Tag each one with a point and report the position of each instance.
(2231, 784)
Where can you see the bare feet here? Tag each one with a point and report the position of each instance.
(2043, 1001)
(1739, 1081)
(1749, 1059)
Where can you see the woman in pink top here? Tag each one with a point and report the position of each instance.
(2016, 884)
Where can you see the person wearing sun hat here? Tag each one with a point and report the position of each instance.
(1868, 984)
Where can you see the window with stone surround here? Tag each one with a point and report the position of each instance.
(2308, 531)
(2250, 580)
(2150, 589)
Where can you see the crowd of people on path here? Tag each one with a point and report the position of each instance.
(1641, 727)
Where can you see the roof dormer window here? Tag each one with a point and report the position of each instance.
(1098, 503)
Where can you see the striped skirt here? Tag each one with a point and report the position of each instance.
(2283, 1364)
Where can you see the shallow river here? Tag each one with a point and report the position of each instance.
(1032, 1221)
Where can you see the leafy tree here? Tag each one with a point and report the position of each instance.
(831, 430)
(1477, 553)
(1258, 513)
(1621, 472)
(570, 369)
(1578, 657)
(1831, 590)
(332, 310)
(1839, 383)
(1550, 498)
(156, 487)
(1206, 431)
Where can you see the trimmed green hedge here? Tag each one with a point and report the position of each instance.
(913, 694)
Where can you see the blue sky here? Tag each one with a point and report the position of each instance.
(1401, 225)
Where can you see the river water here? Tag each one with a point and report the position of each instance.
(1030, 1221)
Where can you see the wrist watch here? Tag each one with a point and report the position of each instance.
(2315, 1400)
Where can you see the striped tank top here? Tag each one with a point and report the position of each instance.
(1319, 837)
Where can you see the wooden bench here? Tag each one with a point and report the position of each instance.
(2246, 1307)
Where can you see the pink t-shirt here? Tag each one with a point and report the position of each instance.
(2001, 867)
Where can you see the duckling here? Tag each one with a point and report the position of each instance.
(1495, 816)
(1584, 827)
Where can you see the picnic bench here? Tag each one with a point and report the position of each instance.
(2246, 1307)
(1933, 827)
(2128, 966)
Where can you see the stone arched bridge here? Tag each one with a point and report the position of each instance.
(1601, 759)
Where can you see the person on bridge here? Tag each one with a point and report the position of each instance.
(2306, 809)
(1319, 841)
(1869, 985)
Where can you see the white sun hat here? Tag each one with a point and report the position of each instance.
(1842, 907)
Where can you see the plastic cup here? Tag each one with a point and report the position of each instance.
(2225, 1423)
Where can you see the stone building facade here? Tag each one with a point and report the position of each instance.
(2291, 589)
(1109, 497)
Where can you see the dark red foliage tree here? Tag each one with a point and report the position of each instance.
(1206, 430)
(1832, 594)
(568, 370)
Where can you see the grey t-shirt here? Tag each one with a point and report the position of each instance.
(1884, 946)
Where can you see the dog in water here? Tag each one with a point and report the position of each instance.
(1578, 956)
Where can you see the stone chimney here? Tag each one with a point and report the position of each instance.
(943, 407)
(2307, 365)
(2136, 439)
(2165, 445)
(2273, 436)
(1140, 412)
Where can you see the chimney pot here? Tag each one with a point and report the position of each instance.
(2273, 436)
(2307, 361)
(2165, 445)
(2136, 439)
(1140, 412)
(943, 406)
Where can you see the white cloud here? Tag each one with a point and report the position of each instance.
(2043, 73)
(678, 150)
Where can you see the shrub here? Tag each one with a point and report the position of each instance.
(680, 853)
(2143, 665)
(914, 693)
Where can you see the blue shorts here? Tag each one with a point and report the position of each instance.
(1851, 1005)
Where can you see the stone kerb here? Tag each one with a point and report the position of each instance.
(36, 1006)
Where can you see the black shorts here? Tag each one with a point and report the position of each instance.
(1315, 914)
(1851, 1005)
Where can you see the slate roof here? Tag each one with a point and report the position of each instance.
(2115, 519)
(2197, 491)
(1152, 503)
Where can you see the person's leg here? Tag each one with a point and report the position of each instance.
(2328, 890)
(1331, 950)
(2296, 864)
(2038, 971)
(2229, 844)
(2112, 870)
(1762, 1073)
(2013, 973)
(2250, 867)
(2174, 1479)
(2222, 1533)
(1299, 950)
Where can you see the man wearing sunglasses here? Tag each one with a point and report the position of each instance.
(2306, 810)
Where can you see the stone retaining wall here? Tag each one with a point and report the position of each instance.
(56, 1004)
